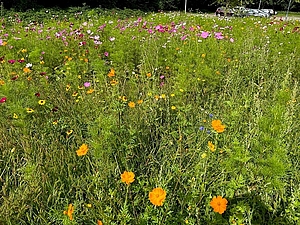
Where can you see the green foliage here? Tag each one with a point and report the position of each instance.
(141, 92)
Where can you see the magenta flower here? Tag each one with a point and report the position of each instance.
(204, 34)
(106, 54)
(11, 61)
(2, 100)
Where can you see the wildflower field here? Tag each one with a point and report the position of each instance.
(148, 118)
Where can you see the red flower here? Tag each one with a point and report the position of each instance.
(15, 77)
(2, 100)
(55, 109)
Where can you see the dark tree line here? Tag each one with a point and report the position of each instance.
(148, 5)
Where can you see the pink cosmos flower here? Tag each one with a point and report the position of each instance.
(231, 40)
(106, 54)
(204, 34)
(219, 36)
(87, 84)
(184, 37)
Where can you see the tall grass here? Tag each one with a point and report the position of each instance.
(141, 93)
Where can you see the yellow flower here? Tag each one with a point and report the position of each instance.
(80, 87)
(42, 62)
(69, 132)
(140, 101)
(218, 126)
(167, 67)
(204, 155)
(54, 122)
(89, 205)
(15, 116)
(42, 102)
(4, 43)
(157, 196)
(86, 60)
(173, 107)
(163, 96)
(203, 55)
(218, 72)
(131, 104)
(69, 58)
(26, 70)
(68, 87)
(124, 98)
(219, 204)
(99, 222)
(211, 146)
(24, 50)
(29, 110)
(2, 82)
(82, 150)
(70, 211)
(172, 95)
(149, 74)
(90, 91)
(113, 82)
(127, 177)
(75, 94)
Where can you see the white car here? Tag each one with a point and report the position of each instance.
(257, 13)
(271, 11)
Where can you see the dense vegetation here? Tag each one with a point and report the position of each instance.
(161, 118)
(154, 5)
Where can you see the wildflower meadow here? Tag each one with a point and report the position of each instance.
(126, 117)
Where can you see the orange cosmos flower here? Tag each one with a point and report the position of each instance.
(82, 150)
(157, 196)
(218, 126)
(127, 177)
(26, 70)
(111, 73)
(69, 211)
(99, 222)
(90, 91)
(131, 104)
(219, 204)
